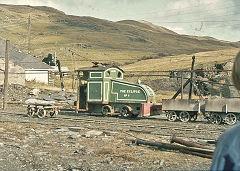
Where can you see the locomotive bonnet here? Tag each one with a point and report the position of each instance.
(101, 88)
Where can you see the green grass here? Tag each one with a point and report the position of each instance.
(183, 61)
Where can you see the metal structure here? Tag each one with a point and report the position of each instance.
(183, 109)
(101, 89)
(217, 110)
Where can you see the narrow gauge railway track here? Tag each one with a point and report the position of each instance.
(165, 125)
(146, 122)
(184, 128)
(189, 132)
(153, 127)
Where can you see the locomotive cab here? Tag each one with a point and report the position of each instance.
(93, 85)
(82, 91)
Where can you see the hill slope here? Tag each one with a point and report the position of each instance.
(128, 34)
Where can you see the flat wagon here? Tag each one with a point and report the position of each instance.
(223, 110)
(182, 109)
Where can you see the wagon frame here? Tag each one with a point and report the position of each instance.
(43, 111)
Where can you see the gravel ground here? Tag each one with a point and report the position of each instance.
(61, 144)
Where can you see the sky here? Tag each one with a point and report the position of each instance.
(216, 18)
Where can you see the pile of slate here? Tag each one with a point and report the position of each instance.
(38, 98)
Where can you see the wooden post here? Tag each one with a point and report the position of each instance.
(61, 74)
(5, 90)
(78, 92)
(74, 65)
(29, 34)
(55, 58)
(191, 79)
(206, 153)
(181, 85)
(180, 89)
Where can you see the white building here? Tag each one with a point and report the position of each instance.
(34, 69)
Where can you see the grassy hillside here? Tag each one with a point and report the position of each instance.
(94, 39)
(178, 62)
(183, 61)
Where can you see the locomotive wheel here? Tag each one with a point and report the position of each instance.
(216, 119)
(125, 112)
(194, 117)
(184, 116)
(31, 111)
(107, 109)
(172, 116)
(134, 116)
(53, 113)
(41, 113)
(231, 119)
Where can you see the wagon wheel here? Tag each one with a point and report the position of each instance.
(107, 109)
(172, 116)
(167, 115)
(194, 117)
(30, 111)
(41, 113)
(184, 116)
(53, 113)
(125, 111)
(216, 119)
(134, 116)
(207, 115)
(231, 119)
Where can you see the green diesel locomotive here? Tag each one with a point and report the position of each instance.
(101, 89)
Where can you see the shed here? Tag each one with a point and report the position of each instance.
(34, 68)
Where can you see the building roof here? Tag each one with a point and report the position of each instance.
(98, 68)
(20, 58)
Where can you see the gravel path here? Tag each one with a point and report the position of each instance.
(83, 142)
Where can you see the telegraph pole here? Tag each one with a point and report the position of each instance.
(29, 34)
(191, 79)
(5, 90)
(61, 74)
(181, 85)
